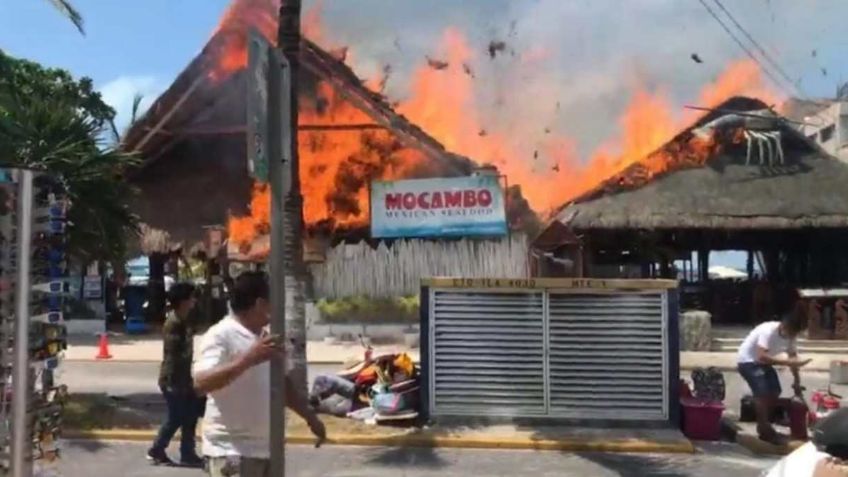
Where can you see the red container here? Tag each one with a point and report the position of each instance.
(702, 419)
(798, 417)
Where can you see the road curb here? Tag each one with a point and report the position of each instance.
(736, 433)
(682, 446)
(728, 369)
(157, 361)
(757, 446)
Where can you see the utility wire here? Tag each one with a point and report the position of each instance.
(771, 60)
(765, 69)
(739, 42)
(759, 48)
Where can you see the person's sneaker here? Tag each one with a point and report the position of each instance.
(192, 461)
(159, 457)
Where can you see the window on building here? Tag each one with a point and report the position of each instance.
(827, 133)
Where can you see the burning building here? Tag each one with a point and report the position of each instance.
(740, 178)
(195, 173)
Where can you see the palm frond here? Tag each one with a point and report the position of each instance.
(137, 98)
(114, 129)
(70, 12)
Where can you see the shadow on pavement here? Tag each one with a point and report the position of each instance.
(634, 465)
(100, 411)
(418, 457)
(89, 445)
(424, 452)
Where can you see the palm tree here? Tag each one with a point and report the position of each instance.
(136, 105)
(70, 12)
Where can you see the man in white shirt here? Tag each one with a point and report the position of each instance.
(756, 360)
(232, 369)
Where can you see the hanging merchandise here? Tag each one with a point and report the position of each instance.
(33, 288)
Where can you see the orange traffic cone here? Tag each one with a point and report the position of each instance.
(103, 352)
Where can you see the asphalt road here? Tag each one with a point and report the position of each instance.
(139, 378)
(83, 459)
(122, 378)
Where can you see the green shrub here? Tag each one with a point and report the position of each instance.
(361, 309)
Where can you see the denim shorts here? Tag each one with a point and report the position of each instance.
(762, 378)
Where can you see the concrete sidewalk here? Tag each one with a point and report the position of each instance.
(149, 348)
(727, 361)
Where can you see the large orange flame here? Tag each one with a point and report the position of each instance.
(338, 165)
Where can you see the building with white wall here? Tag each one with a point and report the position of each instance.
(825, 121)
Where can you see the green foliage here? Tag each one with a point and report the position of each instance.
(49, 121)
(360, 309)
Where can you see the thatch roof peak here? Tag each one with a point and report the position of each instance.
(723, 190)
(198, 98)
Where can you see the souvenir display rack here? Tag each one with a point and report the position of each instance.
(33, 287)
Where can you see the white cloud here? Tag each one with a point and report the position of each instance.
(119, 94)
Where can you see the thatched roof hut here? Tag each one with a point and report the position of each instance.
(806, 189)
(192, 139)
(710, 189)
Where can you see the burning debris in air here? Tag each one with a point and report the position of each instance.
(496, 47)
(437, 64)
(337, 165)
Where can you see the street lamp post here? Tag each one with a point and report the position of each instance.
(288, 40)
(286, 258)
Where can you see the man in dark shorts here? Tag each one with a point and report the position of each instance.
(756, 361)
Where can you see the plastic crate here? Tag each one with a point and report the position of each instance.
(702, 419)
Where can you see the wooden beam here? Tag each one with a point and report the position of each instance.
(339, 127)
(165, 117)
(242, 129)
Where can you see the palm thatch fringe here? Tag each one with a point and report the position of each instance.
(358, 269)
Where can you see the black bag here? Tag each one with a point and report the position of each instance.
(747, 411)
(708, 384)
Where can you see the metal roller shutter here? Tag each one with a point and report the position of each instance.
(488, 353)
(606, 355)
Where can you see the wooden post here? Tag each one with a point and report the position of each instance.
(578, 262)
(703, 264)
(750, 264)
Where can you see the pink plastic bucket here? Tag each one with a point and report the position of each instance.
(702, 419)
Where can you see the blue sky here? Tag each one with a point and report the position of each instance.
(128, 46)
(597, 49)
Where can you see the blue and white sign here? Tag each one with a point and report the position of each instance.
(444, 207)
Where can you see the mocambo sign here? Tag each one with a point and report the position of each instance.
(459, 206)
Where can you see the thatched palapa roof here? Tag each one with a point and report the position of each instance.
(192, 139)
(807, 190)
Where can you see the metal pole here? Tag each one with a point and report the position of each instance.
(21, 442)
(278, 100)
(288, 38)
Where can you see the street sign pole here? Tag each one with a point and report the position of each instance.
(21, 430)
(279, 116)
(258, 86)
